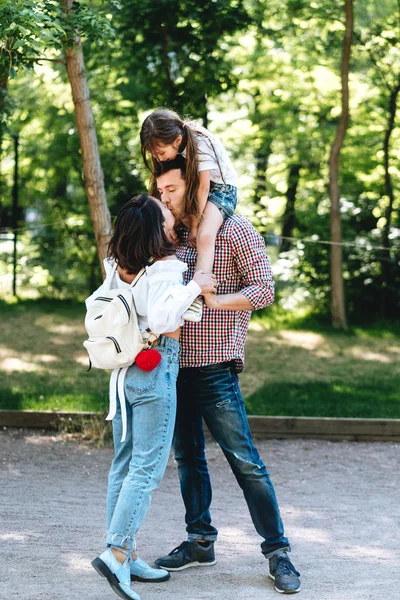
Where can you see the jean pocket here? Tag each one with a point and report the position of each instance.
(139, 381)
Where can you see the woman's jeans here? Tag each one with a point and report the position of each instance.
(140, 461)
(212, 393)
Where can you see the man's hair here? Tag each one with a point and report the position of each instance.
(168, 165)
(139, 234)
(191, 203)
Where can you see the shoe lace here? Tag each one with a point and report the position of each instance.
(285, 567)
(179, 548)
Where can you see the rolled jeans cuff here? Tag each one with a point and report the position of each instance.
(212, 537)
(272, 553)
(117, 540)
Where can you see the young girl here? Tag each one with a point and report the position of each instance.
(211, 179)
(143, 231)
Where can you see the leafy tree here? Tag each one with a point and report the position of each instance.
(93, 174)
(174, 53)
(266, 76)
(61, 23)
(378, 37)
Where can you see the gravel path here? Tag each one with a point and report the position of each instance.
(339, 501)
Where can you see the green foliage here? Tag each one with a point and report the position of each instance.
(291, 85)
(174, 52)
(92, 26)
(27, 28)
(264, 75)
(52, 357)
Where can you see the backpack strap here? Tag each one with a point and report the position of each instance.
(117, 381)
(138, 276)
(110, 276)
(141, 272)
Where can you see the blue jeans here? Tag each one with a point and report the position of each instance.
(224, 196)
(212, 393)
(140, 461)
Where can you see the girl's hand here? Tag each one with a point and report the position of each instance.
(206, 281)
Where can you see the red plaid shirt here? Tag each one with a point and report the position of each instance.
(240, 265)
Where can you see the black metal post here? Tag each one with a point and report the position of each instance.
(14, 220)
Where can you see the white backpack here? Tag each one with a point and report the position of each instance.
(111, 321)
(115, 339)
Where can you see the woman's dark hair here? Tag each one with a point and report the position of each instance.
(139, 234)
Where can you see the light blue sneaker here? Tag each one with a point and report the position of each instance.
(117, 575)
(141, 571)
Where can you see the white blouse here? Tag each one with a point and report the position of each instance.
(159, 294)
(213, 157)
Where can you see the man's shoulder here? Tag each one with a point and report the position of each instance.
(236, 226)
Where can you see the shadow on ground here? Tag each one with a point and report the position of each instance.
(339, 502)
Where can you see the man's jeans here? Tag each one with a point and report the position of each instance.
(213, 393)
(140, 460)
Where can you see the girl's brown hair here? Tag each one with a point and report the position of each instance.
(164, 125)
(139, 234)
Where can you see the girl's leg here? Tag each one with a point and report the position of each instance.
(209, 226)
(210, 222)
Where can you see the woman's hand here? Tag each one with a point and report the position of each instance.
(206, 281)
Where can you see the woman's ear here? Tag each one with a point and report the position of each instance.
(177, 142)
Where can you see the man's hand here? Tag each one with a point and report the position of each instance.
(211, 300)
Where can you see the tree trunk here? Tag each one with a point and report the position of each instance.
(386, 149)
(338, 305)
(289, 216)
(385, 262)
(204, 110)
(262, 152)
(3, 96)
(93, 174)
(261, 157)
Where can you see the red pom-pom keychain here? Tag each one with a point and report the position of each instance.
(147, 360)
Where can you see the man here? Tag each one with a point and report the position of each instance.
(212, 353)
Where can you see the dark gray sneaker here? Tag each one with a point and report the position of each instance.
(188, 554)
(284, 574)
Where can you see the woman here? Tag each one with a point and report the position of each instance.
(144, 233)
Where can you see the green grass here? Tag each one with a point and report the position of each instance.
(295, 366)
(335, 399)
(320, 372)
(43, 365)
